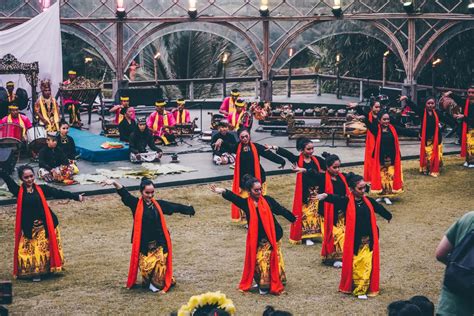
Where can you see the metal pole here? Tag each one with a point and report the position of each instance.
(361, 91)
(256, 88)
(224, 85)
(433, 76)
(288, 83)
(119, 63)
(338, 82)
(155, 69)
(384, 71)
(318, 85)
(191, 91)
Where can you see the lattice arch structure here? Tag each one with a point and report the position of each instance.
(413, 38)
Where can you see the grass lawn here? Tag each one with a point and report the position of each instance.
(208, 253)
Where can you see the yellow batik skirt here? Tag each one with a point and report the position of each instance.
(338, 232)
(34, 255)
(387, 173)
(153, 267)
(262, 267)
(470, 146)
(244, 194)
(311, 222)
(429, 156)
(362, 269)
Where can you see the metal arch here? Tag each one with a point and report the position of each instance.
(438, 40)
(398, 49)
(87, 36)
(148, 37)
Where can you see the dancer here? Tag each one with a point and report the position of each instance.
(46, 108)
(151, 242)
(228, 105)
(263, 257)
(139, 140)
(38, 250)
(308, 226)
(387, 174)
(368, 119)
(247, 161)
(467, 136)
(360, 263)
(431, 146)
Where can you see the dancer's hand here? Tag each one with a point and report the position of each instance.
(107, 182)
(297, 169)
(321, 196)
(403, 98)
(217, 189)
(81, 197)
(270, 147)
(218, 144)
(351, 105)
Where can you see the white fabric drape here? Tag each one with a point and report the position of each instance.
(38, 39)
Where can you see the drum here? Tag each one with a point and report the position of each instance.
(354, 128)
(22, 98)
(215, 120)
(10, 133)
(206, 136)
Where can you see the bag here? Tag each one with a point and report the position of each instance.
(459, 275)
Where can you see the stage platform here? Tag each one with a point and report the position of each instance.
(88, 146)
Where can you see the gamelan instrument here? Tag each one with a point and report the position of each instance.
(10, 133)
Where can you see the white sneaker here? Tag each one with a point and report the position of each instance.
(470, 166)
(362, 297)
(254, 286)
(387, 201)
(36, 279)
(337, 264)
(465, 164)
(153, 288)
(262, 292)
(379, 200)
(309, 242)
(246, 226)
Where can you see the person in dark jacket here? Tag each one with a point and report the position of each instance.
(140, 139)
(222, 144)
(128, 125)
(54, 165)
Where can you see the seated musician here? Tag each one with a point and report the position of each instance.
(181, 115)
(228, 105)
(121, 109)
(221, 143)
(46, 108)
(140, 139)
(238, 118)
(15, 117)
(71, 105)
(66, 143)
(160, 123)
(128, 125)
(11, 98)
(54, 166)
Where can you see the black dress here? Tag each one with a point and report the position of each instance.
(228, 141)
(50, 158)
(275, 207)
(32, 208)
(67, 146)
(140, 140)
(151, 223)
(430, 121)
(126, 129)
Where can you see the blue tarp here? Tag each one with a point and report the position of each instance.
(88, 146)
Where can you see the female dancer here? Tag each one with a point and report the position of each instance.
(38, 250)
(151, 242)
(263, 257)
(431, 146)
(247, 161)
(387, 175)
(360, 263)
(308, 225)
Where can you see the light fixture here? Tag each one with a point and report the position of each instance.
(436, 61)
(120, 10)
(192, 9)
(88, 60)
(337, 9)
(386, 53)
(338, 58)
(470, 7)
(409, 7)
(225, 57)
(157, 55)
(291, 51)
(264, 11)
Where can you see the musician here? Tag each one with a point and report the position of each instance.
(181, 115)
(239, 118)
(467, 136)
(139, 140)
(54, 166)
(228, 105)
(160, 123)
(128, 125)
(72, 106)
(46, 108)
(11, 95)
(66, 143)
(121, 109)
(15, 117)
(222, 143)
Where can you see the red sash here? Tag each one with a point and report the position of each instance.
(348, 253)
(397, 179)
(54, 256)
(434, 164)
(327, 247)
(464, 130)
(369, 149)
(137, 235)
(295, 229)
(235, 212)
(266, 216)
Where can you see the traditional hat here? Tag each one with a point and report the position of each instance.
(124, 98)
(223, 122)
(180, 101)
(235, 92)
(46, 83)
(10, 84)
(240, 103)
(13, 107)
(141, 120)
(71, 72)
(160, 103)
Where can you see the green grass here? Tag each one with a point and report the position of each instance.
(209, 253)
